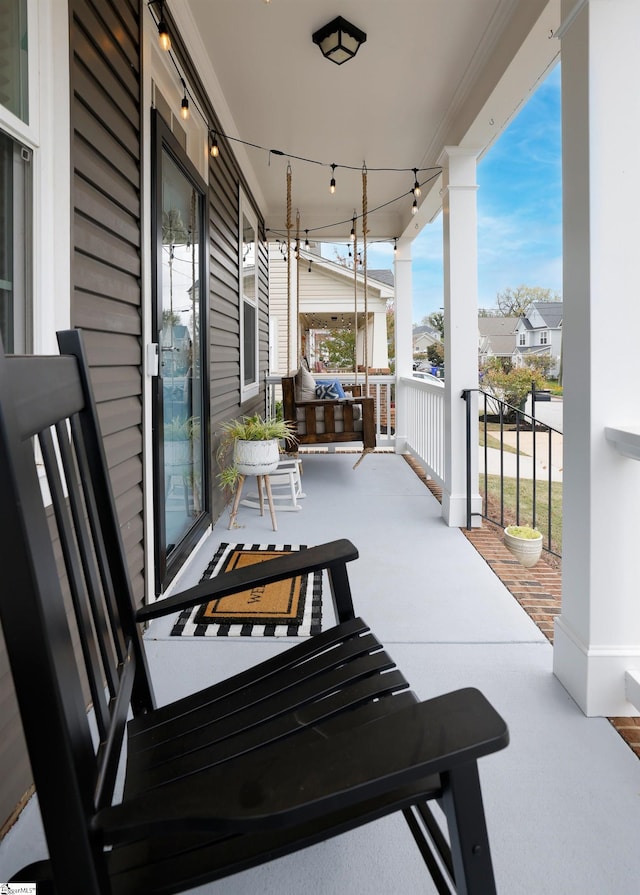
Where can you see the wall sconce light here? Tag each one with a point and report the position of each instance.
(339, 40)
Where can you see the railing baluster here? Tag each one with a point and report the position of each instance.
(499, 515)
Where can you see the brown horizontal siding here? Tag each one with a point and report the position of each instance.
(123, 445)
(98, 311)
(94, 205)
(105, 279)
(107, 250)
(14, 760)
(104, 161)
(115, 382)
(91, 238)
(113, 350)
(92, 275)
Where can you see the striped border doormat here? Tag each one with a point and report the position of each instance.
(290, 608)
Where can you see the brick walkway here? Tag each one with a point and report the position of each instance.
(538, 590)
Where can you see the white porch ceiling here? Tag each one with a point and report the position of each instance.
(432, 73)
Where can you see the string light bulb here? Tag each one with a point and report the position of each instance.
(414, 207)
(184, 106)
(214, 151)
(395, 245)
(332, 184)
(353, 230)
(163, 32)
(416, 186)
(306, 239)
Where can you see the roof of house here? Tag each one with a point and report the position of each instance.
(382, 276)
(550, 311)
(426, 328)
(497, 326)
(497, 335)
(381, 279)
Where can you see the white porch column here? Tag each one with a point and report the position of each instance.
(379, 351)
(460, 234)
(403, 332)
(597, 635)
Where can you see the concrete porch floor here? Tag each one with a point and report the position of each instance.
(562, 801)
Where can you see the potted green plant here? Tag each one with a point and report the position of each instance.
(525, 543)
(251, 446)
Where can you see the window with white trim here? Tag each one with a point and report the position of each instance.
(14, 58)
(249, 383)
(544, 337)
(521, 339)
(16, 195)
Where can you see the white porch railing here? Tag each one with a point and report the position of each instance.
(423, 423)
(423, 404)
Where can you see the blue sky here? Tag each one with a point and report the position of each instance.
(519, 212)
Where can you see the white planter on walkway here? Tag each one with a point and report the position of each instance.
(527, 550)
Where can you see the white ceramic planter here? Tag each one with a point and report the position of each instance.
(256, 457)
(526, 550)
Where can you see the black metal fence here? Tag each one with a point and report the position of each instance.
(517, 486)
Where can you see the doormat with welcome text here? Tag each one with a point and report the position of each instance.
(290, 608)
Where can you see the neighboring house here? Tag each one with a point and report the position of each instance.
(323, 295)
(539, 333)
(424, 336)
(496, 338)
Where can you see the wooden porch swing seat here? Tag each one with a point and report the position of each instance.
(322, 738)
(330, 421)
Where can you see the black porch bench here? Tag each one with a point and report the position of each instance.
(322, 738)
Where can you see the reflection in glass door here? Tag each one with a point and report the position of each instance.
(180, 410)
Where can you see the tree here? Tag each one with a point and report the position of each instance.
(516, 302)
(341, 348)
(435, 354)
(436, 320)
(391, 336)
(511, 386)
(542, 363)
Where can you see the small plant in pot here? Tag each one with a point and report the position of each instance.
(250, 446)
(525, 543)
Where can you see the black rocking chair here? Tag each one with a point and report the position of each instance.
(307, 745)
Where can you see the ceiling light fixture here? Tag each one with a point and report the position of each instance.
(339, 40)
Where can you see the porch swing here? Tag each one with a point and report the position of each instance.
(325, 415)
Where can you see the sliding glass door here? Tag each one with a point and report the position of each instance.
(180, 412)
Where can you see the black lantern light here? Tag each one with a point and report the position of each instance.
(339, 40)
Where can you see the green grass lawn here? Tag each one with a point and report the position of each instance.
(492, 511)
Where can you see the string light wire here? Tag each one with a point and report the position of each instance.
(189, 99)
